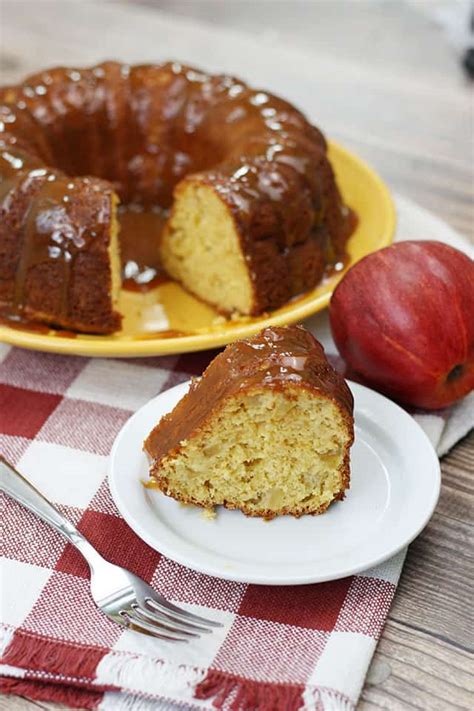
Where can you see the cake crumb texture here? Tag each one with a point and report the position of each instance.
(267, 453)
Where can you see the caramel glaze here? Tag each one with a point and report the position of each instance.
(54, 232)
(144, 129)
(20, 324)
(277, 357)
(65, 334)
(139, 235)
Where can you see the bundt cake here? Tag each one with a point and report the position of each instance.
(241, 180)
(267, 429)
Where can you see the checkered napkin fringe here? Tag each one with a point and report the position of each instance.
(280, 649)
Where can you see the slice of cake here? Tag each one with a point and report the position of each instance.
(267, 429)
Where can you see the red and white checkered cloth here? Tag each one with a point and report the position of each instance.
(280, 649)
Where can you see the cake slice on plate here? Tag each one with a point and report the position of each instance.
(267, 430)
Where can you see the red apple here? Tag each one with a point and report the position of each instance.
(403, 319)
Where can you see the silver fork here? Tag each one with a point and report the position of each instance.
(121, 595)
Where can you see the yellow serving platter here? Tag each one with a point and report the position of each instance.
(168, 320)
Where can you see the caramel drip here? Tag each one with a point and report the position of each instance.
(13, 161)
(28, 249)
(65, 334)
(19, 324)
(99, 122)
(7, 183)
(16, 166)
(123, 118)
(49, 235)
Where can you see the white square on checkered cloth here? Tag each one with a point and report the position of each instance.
(64, 475)
(21, 585)
(4, 349)
(117, 384)
(356, 650)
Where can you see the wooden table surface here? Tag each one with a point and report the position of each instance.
(383, 79)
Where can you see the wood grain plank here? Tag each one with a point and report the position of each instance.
(19, 703)
(419, 672)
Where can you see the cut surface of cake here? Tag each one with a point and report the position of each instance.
(254, 210)
(267, 430)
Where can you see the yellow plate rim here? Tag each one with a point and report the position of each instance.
(129, 348)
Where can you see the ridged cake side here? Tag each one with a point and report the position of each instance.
(59, 252)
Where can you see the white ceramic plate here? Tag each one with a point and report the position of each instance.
(395, 483)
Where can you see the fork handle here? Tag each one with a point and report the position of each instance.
(19, 488)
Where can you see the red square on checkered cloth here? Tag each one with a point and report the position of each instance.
(313, 606)
(116, 541)
(24, 412)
